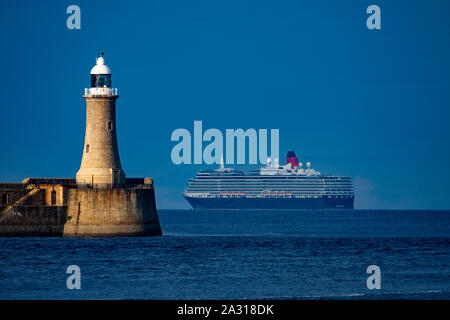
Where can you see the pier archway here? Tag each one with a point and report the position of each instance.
(53, 198)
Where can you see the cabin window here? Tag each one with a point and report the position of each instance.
(109, 125)
(87, 148)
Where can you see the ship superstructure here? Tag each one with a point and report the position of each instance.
(273, 186)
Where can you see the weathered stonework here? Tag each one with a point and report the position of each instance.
(100, 164)
(59, 207)
(106, 212)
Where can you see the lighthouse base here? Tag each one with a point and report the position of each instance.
(111, 212)
(100, 177)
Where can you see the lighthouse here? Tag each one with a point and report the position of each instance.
(101, 201)
(100, 164)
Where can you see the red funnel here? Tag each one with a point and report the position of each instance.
(292, 158)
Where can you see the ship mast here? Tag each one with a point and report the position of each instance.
(222, 166)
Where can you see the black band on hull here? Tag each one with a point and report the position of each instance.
(271, 203)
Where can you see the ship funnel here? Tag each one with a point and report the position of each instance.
(292, 159)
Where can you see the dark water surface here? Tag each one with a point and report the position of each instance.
(243, 254)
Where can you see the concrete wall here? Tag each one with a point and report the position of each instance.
(34, 220)
(112, 212)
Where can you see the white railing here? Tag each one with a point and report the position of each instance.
(100, 91)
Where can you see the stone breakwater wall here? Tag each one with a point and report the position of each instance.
(34, 221)
(67, 211)
(111, 212)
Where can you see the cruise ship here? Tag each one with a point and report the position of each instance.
(273, 186)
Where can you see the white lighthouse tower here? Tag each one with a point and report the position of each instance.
(100, 165)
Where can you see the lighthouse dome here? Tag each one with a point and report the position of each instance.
(100, 67)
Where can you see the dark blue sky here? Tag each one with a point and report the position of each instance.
(373, 105)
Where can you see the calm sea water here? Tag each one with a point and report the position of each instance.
(243, 255)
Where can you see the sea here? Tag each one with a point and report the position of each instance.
(243, 254)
